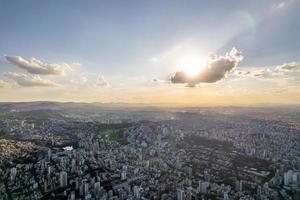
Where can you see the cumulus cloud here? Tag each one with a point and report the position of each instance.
(101, 82)
(28, 80)
(35, 66)
(216, 69)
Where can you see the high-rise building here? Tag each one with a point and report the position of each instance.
(206, 176)
(296, 177)
(226, 197)
(136, 191)
(189, 193)
(13, 173)
(73, 196)
(49, 172)
(203, 187)
(288, 176)
(86, 188)
(49, 154)
(63, 179)
(123, 175)
(180, 194)
(241, 186)
(199, 186)
(97, 189)
(258, 193)
(73, 165)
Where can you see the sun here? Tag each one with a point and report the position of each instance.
(191, 65)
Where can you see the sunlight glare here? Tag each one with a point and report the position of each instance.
(191, 65)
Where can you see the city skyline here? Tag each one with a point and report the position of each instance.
(72, 151)
(151, 52)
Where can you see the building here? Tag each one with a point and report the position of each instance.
(63, 179)
(180, 194)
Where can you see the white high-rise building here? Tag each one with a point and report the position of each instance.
(180, 194)
(73, 165)
(291, 177)
(288, 177)
(136, 191)
(86, 188)
(296, 177)
(63, 179)
(49, 172)
(73, 196)
(241, 186)
(97, 189)
(203, 187)
(13, 173)
(226, 197)
(123, 175)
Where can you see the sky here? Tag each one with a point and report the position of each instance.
(156, 52)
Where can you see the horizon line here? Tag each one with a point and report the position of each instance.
(263, 104)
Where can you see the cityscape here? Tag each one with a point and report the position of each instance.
(94, 151)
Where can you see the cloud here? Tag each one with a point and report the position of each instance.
(2, 84)
(35, 66)
(289, 67)
(101, 82)
(155, 60)
(256, 72)
(271, 71)
(77, 64)
(28, 80)
(282, 4)
(216, 69)
(157, 81)
(79, 80)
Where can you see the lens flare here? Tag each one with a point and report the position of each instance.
(191, 65)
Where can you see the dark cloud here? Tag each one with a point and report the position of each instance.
(35, 66)
(216, 69)
(28, 80)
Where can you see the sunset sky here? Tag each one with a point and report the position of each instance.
(136, 51)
